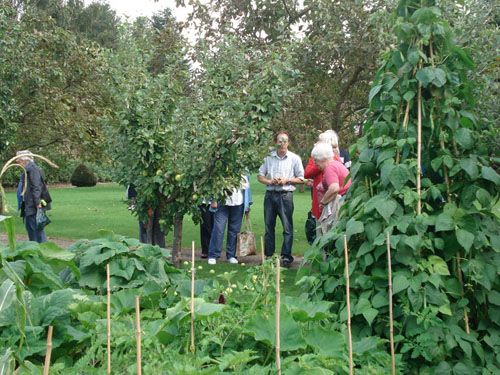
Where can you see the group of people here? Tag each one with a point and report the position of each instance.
(281, 171)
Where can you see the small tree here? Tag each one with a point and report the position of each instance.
(181, 138)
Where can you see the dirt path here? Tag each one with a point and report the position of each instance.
(186, 252)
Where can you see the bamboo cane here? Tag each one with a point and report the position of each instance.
(49, 351)
(459, 269)
(391, 321)
(278, 302)
(346, 255)
(108, 315)
(419, 149)
(192, 299)
(138, 327)
(262, 251)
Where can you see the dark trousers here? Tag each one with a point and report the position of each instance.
(206, 226)
(232, 215)
(278, 204)
(33, 233)
(154, 234)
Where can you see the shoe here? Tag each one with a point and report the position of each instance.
(204, 256)
(287, 263)
(212, 261)
(233, 260)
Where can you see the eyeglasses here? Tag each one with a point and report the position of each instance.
(283, 140)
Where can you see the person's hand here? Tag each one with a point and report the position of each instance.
(275, 181)
(283, 181)
(248, 211)
(214, 204)
(309, 183)
(39, 205)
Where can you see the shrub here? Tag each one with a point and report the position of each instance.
(83, 176)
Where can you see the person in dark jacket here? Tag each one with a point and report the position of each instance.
(36, 195)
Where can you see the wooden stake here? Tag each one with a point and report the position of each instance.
(391, 321)
(108, 370)
(262, 250)
(192, 299)
(346, 256)
(419, 149)
(278, 302)
(138, 327)
(459, 269)
(49, 352)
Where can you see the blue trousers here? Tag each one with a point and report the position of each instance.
(278, 204)
(232, 215)
(33, 233)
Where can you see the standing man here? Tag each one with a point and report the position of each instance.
(281, 171)
(36, 195)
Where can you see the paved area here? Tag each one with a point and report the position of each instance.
(186, 252)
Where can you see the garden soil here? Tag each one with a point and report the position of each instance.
(186, 252)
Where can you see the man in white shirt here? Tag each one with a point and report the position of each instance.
(281, 171)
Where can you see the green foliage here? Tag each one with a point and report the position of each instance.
(445, 257)
(181, 137)
(83, 176)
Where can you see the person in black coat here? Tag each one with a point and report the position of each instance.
(36, 195)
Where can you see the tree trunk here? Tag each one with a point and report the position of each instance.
(177, 245)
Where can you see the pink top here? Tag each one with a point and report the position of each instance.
(335, 171)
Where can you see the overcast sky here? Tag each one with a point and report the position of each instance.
(136, 8)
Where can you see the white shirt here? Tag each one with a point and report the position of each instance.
(289, 166)
(237, 197)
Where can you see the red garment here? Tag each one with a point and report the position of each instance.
(313, 172)
(336, 172)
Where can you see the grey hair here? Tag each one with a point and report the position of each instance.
(25, 158)
(322, 151)
(331, 137)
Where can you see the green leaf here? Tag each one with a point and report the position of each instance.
(489, 174)
(367, 344)
(374, 91)
(444, 222)
(439, 77)
(10, 227)
(263, 328)
(399, 176)
(470, 166)
(325, 342)
(7, 294)
(305, 311)
(408, 95)
(464, 238)
(51, 251)
(465, 138)
(386, 208)
(354, 227)
(494, 297)
(425, 76)
(399, 283)
(439, 265)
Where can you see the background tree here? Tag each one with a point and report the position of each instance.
(337, 44)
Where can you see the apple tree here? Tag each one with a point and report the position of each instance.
(183, 135)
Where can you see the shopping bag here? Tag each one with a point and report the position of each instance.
(42, 219)
(245, 244)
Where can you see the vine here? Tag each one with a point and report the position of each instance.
(429, 184)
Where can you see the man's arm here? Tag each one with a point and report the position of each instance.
(264, 180)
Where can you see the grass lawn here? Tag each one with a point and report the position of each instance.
(80, 212)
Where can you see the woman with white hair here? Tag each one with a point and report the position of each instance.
(333, 186)
(35, 197)
(314, 173)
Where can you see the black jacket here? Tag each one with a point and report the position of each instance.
(35, 190)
